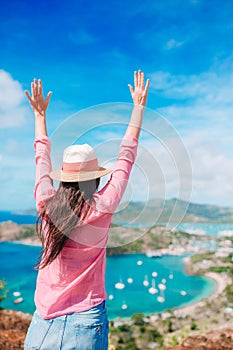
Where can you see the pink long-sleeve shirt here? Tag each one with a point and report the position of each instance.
(75, 280)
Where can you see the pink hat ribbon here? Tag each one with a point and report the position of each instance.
(90, 165)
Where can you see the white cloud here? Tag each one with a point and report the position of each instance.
(198, 100)
(12, 111)
(18, 148)
(205, 176)
(12, 146)
(173, 44)
(212, 170)
(211, 87)
(168, 168)
(202, 111)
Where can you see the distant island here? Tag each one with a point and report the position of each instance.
(153, 211)
(172, 210)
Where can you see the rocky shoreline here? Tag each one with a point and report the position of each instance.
(219, 339)
(13, 329)
(221, 283)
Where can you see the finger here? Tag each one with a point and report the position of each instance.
(135, 79)
(147, 86)
(28, 96)
(32, 90)
(131, 89)
(139, 78)
(142, 80)
(35, 88)
(40, 89)
(48, 98)
(31, 101)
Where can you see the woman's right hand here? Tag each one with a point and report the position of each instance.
(38, 103)
(139, 92)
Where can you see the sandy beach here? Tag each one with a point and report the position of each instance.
(221, 282)
(31, 241)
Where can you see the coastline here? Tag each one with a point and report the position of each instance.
(28, 241)
(220, 281)
(208, 310)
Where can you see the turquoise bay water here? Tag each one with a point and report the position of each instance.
(207, 228)
(17, 263)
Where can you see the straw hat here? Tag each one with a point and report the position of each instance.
(79, 164)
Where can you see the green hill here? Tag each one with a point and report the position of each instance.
(173, 210)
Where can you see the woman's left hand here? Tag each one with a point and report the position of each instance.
(38, 103)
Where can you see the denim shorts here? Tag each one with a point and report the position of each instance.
(87, 330)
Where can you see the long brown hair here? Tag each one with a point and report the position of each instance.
(60, 214)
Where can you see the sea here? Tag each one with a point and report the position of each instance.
(135, 283)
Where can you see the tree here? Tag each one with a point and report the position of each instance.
(2, 286)
(138, 319)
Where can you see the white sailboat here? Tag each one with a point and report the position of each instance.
(183, 292)
(153, 290)
(161, 297)
(18, 300)
(146, 282)
(124, 306)
(161, 286)
(171, 276)
(120, 285)
(139, 262)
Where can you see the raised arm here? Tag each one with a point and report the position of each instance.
(110, 195)
(139, 95)
(43, 189)
(39, 106)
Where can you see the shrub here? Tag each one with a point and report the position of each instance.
(2, 286)
(28, 232)
(193, 326)
(124, 328)
(138, 319)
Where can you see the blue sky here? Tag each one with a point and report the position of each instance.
(86, 54)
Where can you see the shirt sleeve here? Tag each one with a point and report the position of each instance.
(108, 198)
(43, 189)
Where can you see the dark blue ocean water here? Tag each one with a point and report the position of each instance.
(17, 261)
(192, 227)
(18, 218)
